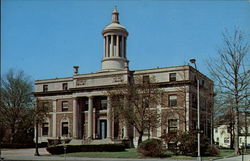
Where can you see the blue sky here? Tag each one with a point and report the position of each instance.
(45, 38)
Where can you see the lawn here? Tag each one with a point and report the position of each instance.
(132, 153)
(129, 153)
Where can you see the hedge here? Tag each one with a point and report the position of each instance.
(59, 149)
(20, 145)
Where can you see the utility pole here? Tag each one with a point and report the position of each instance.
(198, 113)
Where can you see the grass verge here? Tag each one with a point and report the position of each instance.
(132, 153)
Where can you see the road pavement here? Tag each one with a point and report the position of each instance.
(28, 155)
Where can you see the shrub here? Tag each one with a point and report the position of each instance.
(212, 151)
(188, 143)
(59, 149)
(171, 141)
(151, 147)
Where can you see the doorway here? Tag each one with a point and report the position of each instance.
(103, 129)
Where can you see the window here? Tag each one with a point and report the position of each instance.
(45, 106)
(172, 125)
(172, 77)
(226, 140)
(216, 130)
(65, 86)
(65, 128)
(65, 105)
(45, 129)
(85, 104)
(217, 140)
(145, 79)
(172, 100)
(194, 100)
(104, 104)
(202, 83)
(45, 88)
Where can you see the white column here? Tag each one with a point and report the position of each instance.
(104, 47)
(112, 46)
(90, 118)
(158, 130)
(109, 127)
(75, 119)
(126, 124)
(123, 47)
(54, 119)
(107, 44)
(117, 45)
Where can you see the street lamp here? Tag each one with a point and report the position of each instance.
(198, 112)
(36, 150)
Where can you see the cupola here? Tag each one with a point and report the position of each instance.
(115, 37)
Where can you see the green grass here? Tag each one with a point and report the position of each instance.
(129, 153)
(132, 153)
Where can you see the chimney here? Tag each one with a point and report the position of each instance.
(76, 69)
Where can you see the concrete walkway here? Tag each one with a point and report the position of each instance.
(28, 154)
(238, 158)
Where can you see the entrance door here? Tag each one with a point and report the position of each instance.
(103, 129)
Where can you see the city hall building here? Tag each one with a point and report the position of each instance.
(79, 105)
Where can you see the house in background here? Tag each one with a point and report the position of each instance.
(80, 104)
(222, 136)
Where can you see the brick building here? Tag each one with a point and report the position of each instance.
(79, 104)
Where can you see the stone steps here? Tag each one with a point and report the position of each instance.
(89, 141)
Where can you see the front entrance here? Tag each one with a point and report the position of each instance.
(103, 129)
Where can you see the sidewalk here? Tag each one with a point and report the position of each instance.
(237, 158)
(28, 154)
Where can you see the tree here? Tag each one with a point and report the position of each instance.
(135, 103)
(16, 105)
(231, 74)
(40, 112)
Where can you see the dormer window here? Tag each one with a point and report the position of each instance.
(172, 77)
(45, 88)
(65, 86)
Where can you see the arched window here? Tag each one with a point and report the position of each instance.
(65, 128)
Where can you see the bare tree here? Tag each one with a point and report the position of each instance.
(135, 104)
(231, 74)
(16, 104)
(40, 112)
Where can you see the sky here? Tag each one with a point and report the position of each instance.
(46, 38)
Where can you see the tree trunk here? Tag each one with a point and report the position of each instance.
(236, 133)
(231, 138)
(140, 138)
(36, 151)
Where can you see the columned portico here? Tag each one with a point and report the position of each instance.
(90, 118)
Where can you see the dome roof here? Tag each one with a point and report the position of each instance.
(115, 25)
